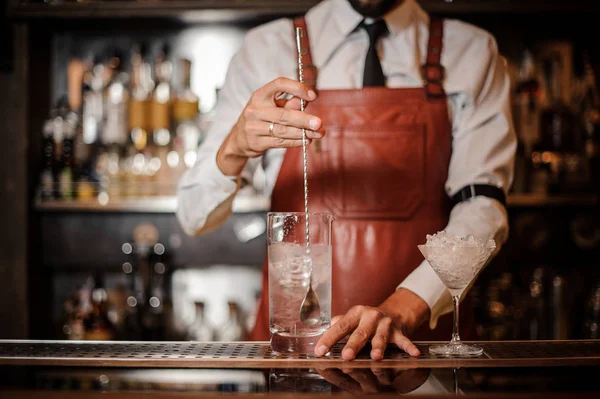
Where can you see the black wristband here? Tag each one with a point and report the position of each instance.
(485, 190)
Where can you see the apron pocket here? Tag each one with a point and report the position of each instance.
(374, 172)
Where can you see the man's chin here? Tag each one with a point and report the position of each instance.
(374, 8)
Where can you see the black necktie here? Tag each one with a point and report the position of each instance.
(373, 74)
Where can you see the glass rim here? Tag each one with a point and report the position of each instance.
(486, 245)
(300, 214)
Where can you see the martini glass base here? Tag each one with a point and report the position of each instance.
(456, 350)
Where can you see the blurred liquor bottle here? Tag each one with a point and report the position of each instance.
(138, 156)
(153, 320)
(200, 330)
(71, 321)
(98, 326)
(48, 164)
(592, 314)
(537, 313)
(132, 323)
(185, 115)
(115, 133)
(589, 111)
(558, 127)
(527, 107)
(133, 134)
(66, 172)
(162, 100)
(234, 328)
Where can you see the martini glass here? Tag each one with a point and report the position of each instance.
(456, 260)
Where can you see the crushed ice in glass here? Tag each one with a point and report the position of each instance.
(456, 259)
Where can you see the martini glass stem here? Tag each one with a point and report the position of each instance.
(455, 336)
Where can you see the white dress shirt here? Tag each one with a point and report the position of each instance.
(476, 82)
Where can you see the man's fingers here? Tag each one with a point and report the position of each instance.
(341, 380)
(276, 142)
(336, 332)
(384, 376)
(368, 382)
(280, 86)
(362, 334)
(292, 103)
(334, 320)
(287, 117)
(381, 338)
(405, 344)
(283, 131)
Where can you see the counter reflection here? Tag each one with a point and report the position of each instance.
(355, 381)
(361, 381)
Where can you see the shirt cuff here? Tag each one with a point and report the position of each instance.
(425, 283)
(225, 183)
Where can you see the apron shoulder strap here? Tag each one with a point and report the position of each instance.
(433, 71)
(309, 70)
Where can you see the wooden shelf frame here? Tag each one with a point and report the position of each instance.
(237, 8)
(219, 9)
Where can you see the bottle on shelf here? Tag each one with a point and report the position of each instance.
(559, 146)
(162, 99)
(132, 321)
(76, 69)
(76, 327)
(98, 326)
(154, 315)
(591, 327)
(527, 106)
(234, 328)
(173, 327)
(66, 172)
(48, 162)
(557, 121)
(136, 160)
(93, 100)
(538, 324)
(559, 306)
(66, 319)
(185, 115)
(589, 111)
(58, 133)
(115, 129)
(83, 188)
(251, 318)
(200, 330)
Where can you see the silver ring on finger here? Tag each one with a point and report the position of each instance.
(271, 129)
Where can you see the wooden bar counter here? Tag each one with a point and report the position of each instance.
(69, 369)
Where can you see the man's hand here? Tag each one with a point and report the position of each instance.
(390, 322)
(369, 381)
(251, 137)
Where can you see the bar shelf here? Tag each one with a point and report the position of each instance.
(158, 204)
(547, 200)
(236, 9)
(259, 203)
(226, 9)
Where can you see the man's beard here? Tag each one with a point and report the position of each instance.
(373, 8)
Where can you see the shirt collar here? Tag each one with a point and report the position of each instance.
(331, 22)
(347, 18)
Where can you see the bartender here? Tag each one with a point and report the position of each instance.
(410, 132)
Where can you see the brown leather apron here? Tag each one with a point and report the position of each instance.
(381, 170)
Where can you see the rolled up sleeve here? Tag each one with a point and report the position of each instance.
(205, 195)
(484, 146)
